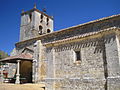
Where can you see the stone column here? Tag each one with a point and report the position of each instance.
(37, 61)
(18, 73)
(50, 69)
(113, 61)
(34, 71)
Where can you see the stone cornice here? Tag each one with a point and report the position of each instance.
(77, 38)
(34, 9)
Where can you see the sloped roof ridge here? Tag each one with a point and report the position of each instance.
(82, 36)
(90, 22)
(20, 56)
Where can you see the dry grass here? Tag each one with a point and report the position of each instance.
(21, 87)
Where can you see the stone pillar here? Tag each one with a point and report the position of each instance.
(40, 59)
(113, 61)
(18, 73)
(34, 71)
(37, 61)
(50, 69)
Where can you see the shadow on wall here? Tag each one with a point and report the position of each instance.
(98, 43)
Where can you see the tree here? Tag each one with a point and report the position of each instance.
(0, 57)
(3, 54)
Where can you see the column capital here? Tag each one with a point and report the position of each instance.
(34, 60)
(18, 60)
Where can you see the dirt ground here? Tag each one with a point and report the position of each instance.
(22, 87)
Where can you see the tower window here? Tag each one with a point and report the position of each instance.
(41, 18)
(48, 30)
(47, 21)
(40, 30)
(30, 16)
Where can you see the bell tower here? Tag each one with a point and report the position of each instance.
(35, 23)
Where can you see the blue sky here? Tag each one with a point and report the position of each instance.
(66, 13)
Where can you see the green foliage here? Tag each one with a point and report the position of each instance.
(3, 54)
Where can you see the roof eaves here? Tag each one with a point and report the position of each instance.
(82, 36)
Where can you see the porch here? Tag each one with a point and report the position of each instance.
(23, 72)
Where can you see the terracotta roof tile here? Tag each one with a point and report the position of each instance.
(81, 36)
(23, 56)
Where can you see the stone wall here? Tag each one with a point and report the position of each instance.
(98, 69)
(65, 74)
(113, 61)
(30, 23)
(20, 47)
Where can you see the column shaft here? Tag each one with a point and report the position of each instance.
(18, 73)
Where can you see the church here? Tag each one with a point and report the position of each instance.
(82, 57)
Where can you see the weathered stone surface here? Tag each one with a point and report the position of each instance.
(30, 23)
(94, 70)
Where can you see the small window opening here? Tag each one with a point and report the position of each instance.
(40, 30)
(48, 30)
(41, 18)
(47, 21)
(78, 55)
(30, 16)
(38, 56)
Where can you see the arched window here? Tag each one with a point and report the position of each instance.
(40, 30)
(30, 16)
(41, 18)
(47, 21)
(48, 30)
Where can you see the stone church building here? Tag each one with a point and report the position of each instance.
(82, 57)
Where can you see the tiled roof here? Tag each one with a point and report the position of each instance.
(84, 24)
(82, 36)
(23, 56)
(70, 28)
